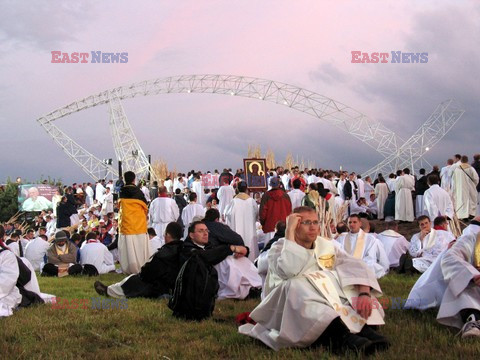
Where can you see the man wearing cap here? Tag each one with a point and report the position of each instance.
(275, 206)
(61, 257)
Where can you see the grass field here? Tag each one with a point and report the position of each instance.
(146, 329)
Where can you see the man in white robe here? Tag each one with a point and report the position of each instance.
(107, 205)
(364, 246)
(381, 193)
(460, 306)
(312, 289)
(163, 210)
(10, 296)
(36, 250)
(437, 201)
(225, 195)
(445, 176)
(197, 187)
(93, 252)
(404, 186)
(100, 191)
(190, 211)
(426, 245)
(241, 215)
(296, 195)
(395, 244)
(89, 195)
(464, 189)
(155, 241)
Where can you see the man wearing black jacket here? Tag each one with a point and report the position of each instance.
(157, 277)
(237, 276)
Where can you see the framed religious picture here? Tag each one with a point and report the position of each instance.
(255, 174)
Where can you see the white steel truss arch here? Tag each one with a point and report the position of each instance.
(431, 132)
(355, 123)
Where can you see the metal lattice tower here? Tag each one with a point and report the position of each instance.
(432, 131)
(126, 145)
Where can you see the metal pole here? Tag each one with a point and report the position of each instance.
(149, 168)
(120, 168)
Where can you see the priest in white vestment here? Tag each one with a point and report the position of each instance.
(404, 186)
(241, 215)
(395, 244)
(381, 194)
(364, 246)
(437, 201)
(107, 205)
(225, 195)
(426, 245)
(89, 195)
(190, 211)
(163, 210)
(100, 191)
(93, 252)
(36, 250)
(198, 188)
(315, 293)
(460, 306)
(446, 176)
(10, 296)
(296, 195)
(464, 189)
(155, 241)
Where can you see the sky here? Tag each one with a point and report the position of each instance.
(303, 43)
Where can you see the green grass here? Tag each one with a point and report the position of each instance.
(147, 330)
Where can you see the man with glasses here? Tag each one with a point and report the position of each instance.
(316, 294)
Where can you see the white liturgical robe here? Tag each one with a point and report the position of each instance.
(395, 245)
(404, 186)
(370, 250)
(236, 277)
(296, 196)
(163, 211)
(294, 312)
(225, 195)
(437, 202)
(10, 296)
(464, 190)
(381, 193)
(189, 212)
(97, 254)
(459, 265)
(241, 215)
(425, 252)
(35, 252)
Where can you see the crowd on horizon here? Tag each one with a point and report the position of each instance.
(259, 242)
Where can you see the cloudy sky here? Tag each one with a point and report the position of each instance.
(303, 43)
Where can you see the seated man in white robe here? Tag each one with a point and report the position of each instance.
(237, 276)
(460, 306)
(36, 251)
(316, 294)
(364, 246)
(155, 241)
(93, 252)
(395, 244)
(426, 245)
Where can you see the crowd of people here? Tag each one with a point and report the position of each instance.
(306, 246)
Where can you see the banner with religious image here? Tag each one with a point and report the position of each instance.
(36, 197)
(255, 174)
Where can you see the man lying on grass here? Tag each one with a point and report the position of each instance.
(311, 291)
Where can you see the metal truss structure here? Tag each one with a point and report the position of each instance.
(432, 131)
(128, 150)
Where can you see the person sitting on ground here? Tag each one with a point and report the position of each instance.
(96, 254)
(36, 251)
(364, 246)
(61, 257)
(395, 244)
(237, 276)
(316, 294)
(157, 277)
(155, 241)
(426, 245)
